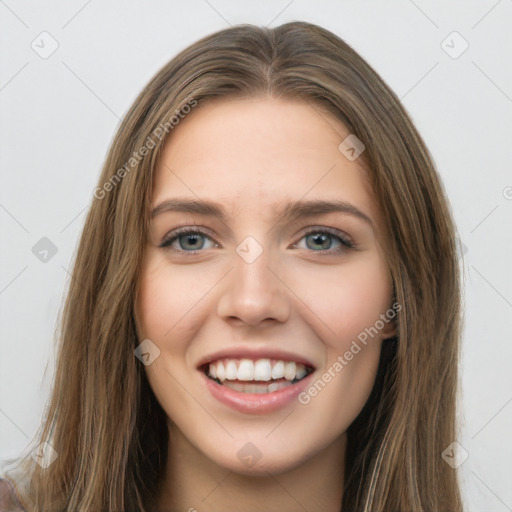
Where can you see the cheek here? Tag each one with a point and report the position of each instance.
(169, 313)
(349, 299)
(351, 304)
(169, 302)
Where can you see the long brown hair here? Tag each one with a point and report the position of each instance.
(103, 419)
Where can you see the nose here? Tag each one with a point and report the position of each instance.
(254, 292)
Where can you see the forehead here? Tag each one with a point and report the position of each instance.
(251, 154)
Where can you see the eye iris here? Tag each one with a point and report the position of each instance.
(321, 238)
(193, 238)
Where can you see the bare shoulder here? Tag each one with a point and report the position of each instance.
(9, 501)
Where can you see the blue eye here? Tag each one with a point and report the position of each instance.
(186, 237)
(323, 238)
(193, 240)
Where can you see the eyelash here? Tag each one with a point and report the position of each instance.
(173, 236)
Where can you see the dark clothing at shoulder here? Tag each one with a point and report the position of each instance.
(8, 499)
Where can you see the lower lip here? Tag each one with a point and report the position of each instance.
(256, 403)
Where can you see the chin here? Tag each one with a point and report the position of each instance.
(259, 459)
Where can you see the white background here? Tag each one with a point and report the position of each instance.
(59, 114)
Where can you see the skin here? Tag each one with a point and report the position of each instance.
(250, 155)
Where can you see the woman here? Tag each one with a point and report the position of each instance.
(250, 370)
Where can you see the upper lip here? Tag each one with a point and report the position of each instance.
(254, 354)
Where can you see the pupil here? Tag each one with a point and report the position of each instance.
(193, 239)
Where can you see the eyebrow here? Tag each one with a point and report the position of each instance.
(287, 211)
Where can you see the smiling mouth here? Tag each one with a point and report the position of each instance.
(258, 376)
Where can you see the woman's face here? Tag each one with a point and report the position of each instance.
(256, 288)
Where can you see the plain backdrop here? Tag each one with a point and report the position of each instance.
(70, 70)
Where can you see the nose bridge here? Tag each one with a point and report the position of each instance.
(254, 293)
(252, 266)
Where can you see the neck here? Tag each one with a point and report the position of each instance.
(192, 482)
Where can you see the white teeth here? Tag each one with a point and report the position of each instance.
(289, 370)
(300, 371)
(278, 370)
(231, 371)
(256, 388)
(276, 386)
(260, 370)
(245, 370)
(235, 385)
(221, 373)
